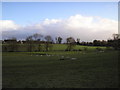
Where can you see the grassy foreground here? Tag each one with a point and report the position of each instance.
(86, 70)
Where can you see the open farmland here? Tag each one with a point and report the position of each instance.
(61, 69)
(54, 45)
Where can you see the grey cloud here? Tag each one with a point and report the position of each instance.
(77, 26)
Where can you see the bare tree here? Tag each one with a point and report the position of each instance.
(116, 36)
(58, 40)
(29, 38)
(70, 43)
(37, 37)
(116, 41)
(78, 40)
(29, 41)
(49, 40)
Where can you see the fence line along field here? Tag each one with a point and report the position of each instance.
(83, 67)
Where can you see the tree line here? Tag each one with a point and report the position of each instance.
(45, 43)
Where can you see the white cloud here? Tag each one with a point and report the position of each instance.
(8, 25)
(51, 21)
(79, 21)
(87, 28)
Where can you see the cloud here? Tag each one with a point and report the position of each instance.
(87, 28)
(8, 25)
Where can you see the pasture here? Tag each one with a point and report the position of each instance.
(60, 69)
(54, 47)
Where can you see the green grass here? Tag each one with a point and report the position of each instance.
(64, 46)
(56, 47)
(89, 70)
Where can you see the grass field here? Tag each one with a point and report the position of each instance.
(47, 69)
(55, 47)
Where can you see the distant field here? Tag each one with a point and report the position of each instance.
(57, 47)
(64, 46)
(60, 69)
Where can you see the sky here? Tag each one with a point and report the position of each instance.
(84, 20)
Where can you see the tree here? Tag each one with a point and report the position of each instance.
(116, 36)
(70, 40)
(58, 40)
(97, 43)
(109, 42)
(103, 43)
(29, 38)
(70, 43)
(116, 41)
(78, 41)
(37, 37)
(49, 40)
(11, 44)
(29, 41)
